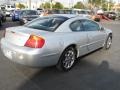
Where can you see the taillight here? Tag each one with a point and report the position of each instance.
(35, 42)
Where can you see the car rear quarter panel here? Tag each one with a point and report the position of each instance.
(59, 41)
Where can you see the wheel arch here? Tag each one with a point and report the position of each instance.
(71, 45)
(110, 34)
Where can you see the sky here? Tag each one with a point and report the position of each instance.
(65, 2)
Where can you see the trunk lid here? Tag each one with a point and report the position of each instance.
(19, 35)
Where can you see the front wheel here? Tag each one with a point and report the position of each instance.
(108, 42)
(67, 59)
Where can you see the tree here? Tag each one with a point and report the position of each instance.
(111, 4)
(79, 5)
(58, 5)
(96, 2)
(105, 6)
(21, 6)
(101, 3)
(46, 5)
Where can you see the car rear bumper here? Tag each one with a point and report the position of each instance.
(22, 56)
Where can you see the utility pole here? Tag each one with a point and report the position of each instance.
(108, 8)
(29, 4)
(101, 3)
(69, 3)
(51, 4)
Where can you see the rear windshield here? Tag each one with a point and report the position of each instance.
(46, 23)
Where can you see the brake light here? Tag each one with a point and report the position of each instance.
(35, 42)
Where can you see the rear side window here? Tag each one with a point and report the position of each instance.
(76, 26)
(89, 25)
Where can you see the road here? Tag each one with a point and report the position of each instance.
(99, 70)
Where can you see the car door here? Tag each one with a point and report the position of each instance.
(96, 36)
(80, 36)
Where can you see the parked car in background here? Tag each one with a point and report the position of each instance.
(54, 40)
(15, 15)
(96, 17)
(118, 15)
(7, 13)
(110, 14)
(8, 9)
(56, 11)
(3, 16)
(81, 12)
(39, 10)
(27, 15)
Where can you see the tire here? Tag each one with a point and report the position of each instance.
(0, 22)
(13, 20)
(20, 22)
(5, 19)
(114, 18)
(108, 42)
(97, 19)
(67, 59)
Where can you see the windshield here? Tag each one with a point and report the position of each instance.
(82, 12)
(46, 23)
(29, 12)
(112, 12)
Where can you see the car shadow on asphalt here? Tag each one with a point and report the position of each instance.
(84, 76)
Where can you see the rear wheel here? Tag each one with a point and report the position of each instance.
(67, 59)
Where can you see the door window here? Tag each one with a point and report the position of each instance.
(90, 25)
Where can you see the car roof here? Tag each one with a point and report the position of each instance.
(65, 15)
(71, 16)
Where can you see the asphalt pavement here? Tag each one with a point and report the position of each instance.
(99, 70)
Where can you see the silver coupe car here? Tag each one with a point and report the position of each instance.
(54, 40)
